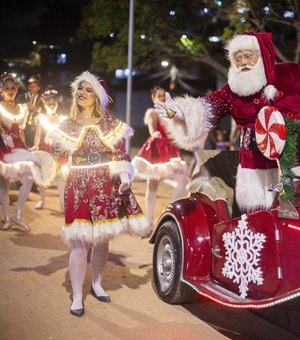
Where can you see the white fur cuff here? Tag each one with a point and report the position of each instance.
(251, 188)
(189, 132)
(117, 167)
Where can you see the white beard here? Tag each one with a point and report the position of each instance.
(246, 83)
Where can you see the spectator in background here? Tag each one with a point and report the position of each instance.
(33, 100)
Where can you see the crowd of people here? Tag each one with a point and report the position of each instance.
(85, 151)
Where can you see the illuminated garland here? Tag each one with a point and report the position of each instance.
(289, 159)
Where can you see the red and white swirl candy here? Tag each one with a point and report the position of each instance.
(270, 132)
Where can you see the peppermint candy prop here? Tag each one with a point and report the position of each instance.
(270, 132)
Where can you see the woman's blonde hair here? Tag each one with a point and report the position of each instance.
(99, 87)
(99, 111)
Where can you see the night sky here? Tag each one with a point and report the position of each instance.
(48, 22)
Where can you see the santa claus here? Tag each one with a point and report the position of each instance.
(254, 82)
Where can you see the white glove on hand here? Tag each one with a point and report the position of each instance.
(168, 109)
(156, 134)
(125, 182)
(7, 140)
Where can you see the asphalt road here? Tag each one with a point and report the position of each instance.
(35, 291)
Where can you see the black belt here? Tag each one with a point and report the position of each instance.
(92, 158)
(248, 139)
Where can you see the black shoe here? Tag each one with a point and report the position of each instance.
(77, 312)
(102, 298)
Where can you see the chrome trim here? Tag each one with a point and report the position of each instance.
(216, 251)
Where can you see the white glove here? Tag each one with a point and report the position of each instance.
(125, 182)
(156, 134)
(168, 109)
(7, 140)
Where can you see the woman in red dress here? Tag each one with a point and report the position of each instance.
(16, 162)
(99, 204)
(159, 158)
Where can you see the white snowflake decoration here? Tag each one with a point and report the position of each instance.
(243, 250)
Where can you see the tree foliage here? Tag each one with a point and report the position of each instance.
(182, 31)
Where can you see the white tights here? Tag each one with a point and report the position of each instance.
(152, 187)
(60, 182)
(24, 191)
(78, 266)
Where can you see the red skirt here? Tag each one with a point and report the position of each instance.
(158, 158)
(94, 209)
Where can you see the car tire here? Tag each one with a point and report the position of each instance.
(167, 266)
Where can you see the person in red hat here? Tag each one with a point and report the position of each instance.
(254, 82)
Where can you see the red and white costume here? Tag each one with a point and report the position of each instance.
(95, 211)
(281, 89)
(158, 157)
(15, 159)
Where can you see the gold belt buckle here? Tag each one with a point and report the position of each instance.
(94, 158)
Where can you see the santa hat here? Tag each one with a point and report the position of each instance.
(257, 41)
(97, 84)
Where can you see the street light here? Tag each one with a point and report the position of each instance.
(129, 63)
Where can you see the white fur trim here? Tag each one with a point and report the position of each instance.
(20, 155)
(189, 132)
(241, 42)
(8, 118)
(148, 115)
(45, 173)
(96, 233)
(251, 188)
(57, 137)
(123, 130)
(161, 170)
(18, 162)
(41, 165)
(116, 167)
(94, 82)
(270, 93)
(16, 170)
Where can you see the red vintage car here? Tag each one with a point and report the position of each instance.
(203, 244)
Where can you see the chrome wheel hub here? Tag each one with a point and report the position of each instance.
(165, 263)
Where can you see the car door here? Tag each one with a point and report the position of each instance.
(245, 255)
